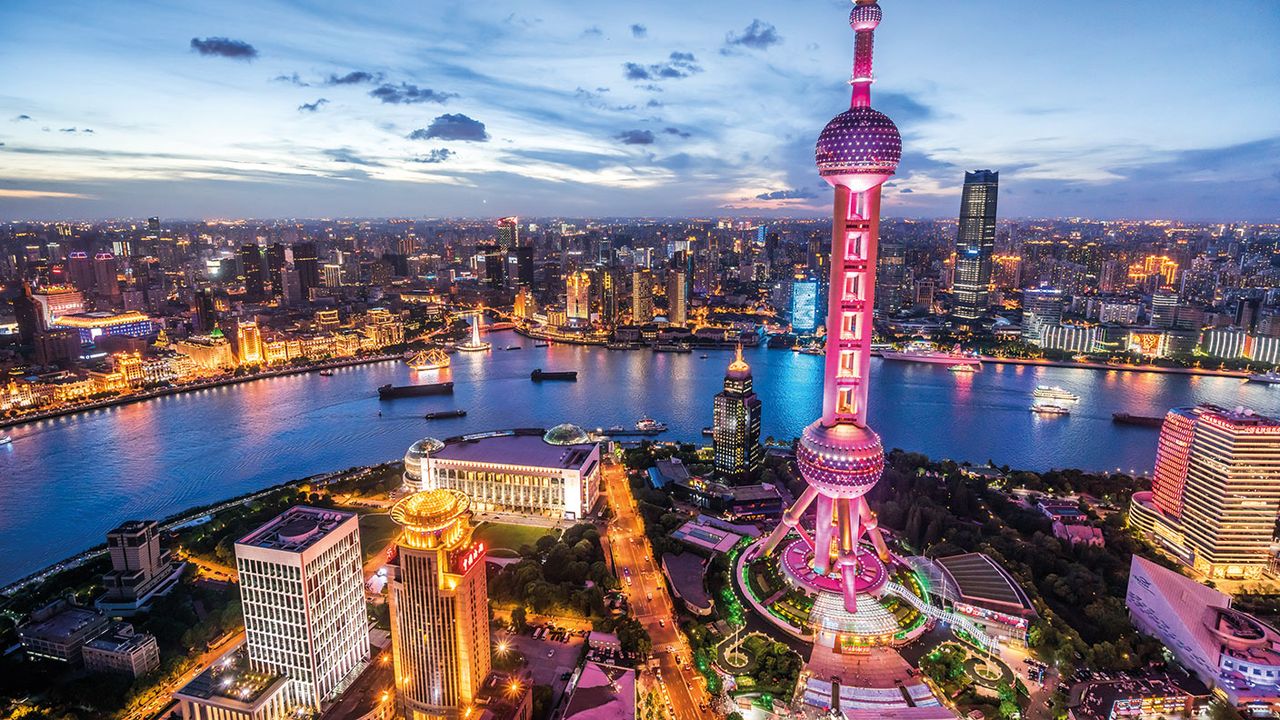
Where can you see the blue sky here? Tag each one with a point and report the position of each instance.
(1138, 109)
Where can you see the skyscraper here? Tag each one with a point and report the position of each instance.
(509, 232)
(577, 298)
(975, 244)
(106, 282)
(678, 289)
(1215, 494)
(804, 306)
(251, 269)
(642, 296)
(840, 458)
(138, 566)
(890, 279)
(1041, 308)
(439, 607)
(80, 271)
(736, 424)
(302, 589)
(276, 266)
(308, 267)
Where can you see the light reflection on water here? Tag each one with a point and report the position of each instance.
(67, 481)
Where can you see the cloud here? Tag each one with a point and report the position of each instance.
(312, 106)
(292, 79)
(787, 195)
(355, 77)
(635, 137)
(906, 191)
(593, 32)
(759, 35)
(677, 65)
(452, 126)
(347, 155)
(32, 194)
(639, 31)
(70, 130)
(677, 132)
(438, 155)
(224, 47)
(408, 94)
(21, 118)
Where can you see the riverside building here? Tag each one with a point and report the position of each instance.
(302, 588)
(736, 428)
(439, 607)
(553, 474)
(1215, 494)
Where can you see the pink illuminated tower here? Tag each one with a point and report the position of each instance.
(839, 456)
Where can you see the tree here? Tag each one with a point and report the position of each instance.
(519, 618)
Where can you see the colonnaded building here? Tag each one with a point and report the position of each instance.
(528, 471)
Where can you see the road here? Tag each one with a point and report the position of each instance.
(650, 603)
(164, 694)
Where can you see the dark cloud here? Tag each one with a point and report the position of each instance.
(635, 137)
(639, 31)
(677, 132)
(224, 47)
(906, 191)
(438, 155)
(408, 94)
(787, 195)
(903, 108)
(677, 65)
(312, 106)
(653, 103)
(20, 118)
(355, 77)
(76, 130)
(452, 126)
(292, 79)
(593, 32)
(759, 35)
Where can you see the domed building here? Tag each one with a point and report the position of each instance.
(414, 459)
(566, 434)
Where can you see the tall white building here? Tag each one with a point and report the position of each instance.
(302, 588)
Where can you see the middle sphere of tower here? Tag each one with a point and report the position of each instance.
(842, 461)
(859, 148)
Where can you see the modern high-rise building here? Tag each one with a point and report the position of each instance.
(805, 304)
(1041, 308)
(678, 295)
(736, 424)
(308, 267)
(890, 279)
(439, 607)
(839, 456)
(106, 282)
(577, 299)
(1215, 494)
(509, 232)
(80, 271)
(642, 296)
(277, 263)
(1164, 309)
(253, 272)
(302, 589)
(138, 567)
(975, 244)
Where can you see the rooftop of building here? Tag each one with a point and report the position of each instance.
(705, 536)
(99, 317)
(296, 529)
(980, 580)
(1096, 699)
(1237, 417)
(133, 526)
(62, 624)
(604, 692)
(524, 447)
(231, 678)
(119, 637)
(502, 694)
(686, 571)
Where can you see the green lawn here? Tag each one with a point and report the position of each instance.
(511, 537)
(376, 530)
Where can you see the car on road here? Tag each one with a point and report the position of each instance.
(551, 652)
(662, 623)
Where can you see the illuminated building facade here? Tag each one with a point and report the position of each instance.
(804, 305)
(93, 325)
(1041, 308)
(526, 472)
(678, 295)
(439, 607)
(302, 589)
(736, 425)
(55, 302)
(642, 296)
(250, 341)
(577, 299)
(975, 244)
(1215, 494)
(840, 457)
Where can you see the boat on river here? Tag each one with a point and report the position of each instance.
(5, 439)
(1044, 392)
(392, 392)
(1266, 378)
(926, 352)
(1049, 409)
(443, 414)
(539, 375)
(1123, 418)
(433, 359)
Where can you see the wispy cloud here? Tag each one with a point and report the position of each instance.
(313, 106)
(635, 137)
(452, 126)
(435, 156)
(224, 47)
(409, 94)
(32, 194)
(759, 35)
(22, 118)
(677, 65)
(787, 195)
(677, 132)
(355, 77)
(639, 31)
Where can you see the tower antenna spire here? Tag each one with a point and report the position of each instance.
(864, 18)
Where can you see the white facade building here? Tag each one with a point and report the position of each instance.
(302, 587)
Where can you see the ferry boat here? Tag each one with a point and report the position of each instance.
(539, 374)
(927, 352)
(703, 356)
(963, 369)
(1122, 418)
(515, 347)
(443, 414)
(433, 359)
(812, 350)
(326, 373)
(5, 439)
(1049, 409)
(391, 392)
(649, 425)
(1044, 392)
(1266, 378)
(672, 348)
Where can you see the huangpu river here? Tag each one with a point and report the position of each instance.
(64, 482)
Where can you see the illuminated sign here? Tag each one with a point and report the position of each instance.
(463, 560)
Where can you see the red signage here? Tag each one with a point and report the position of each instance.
(463, 560)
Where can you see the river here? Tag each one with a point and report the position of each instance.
(68, 480)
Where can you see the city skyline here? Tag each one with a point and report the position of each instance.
(593, 111)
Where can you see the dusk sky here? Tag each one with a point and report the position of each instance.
(1097, 108)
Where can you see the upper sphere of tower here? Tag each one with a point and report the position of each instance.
(865, 16)
(858, 141)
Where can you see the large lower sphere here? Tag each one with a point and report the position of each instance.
(841, 461)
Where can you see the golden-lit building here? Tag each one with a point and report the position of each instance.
(210, 353)
(577, 298)
(250, 341)
(439, 607)
(1154, 266)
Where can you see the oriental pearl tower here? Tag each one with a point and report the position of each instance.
(841, 458)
